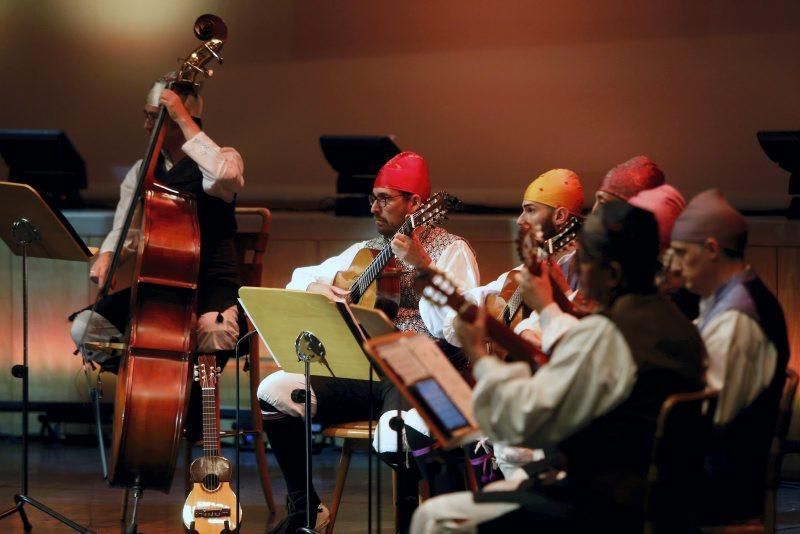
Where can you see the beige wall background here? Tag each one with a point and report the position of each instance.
(491, 92)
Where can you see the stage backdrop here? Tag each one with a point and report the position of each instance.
(491, 92)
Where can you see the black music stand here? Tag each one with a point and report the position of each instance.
(31, 229)
(48, 161)
(784, 149)
(357, 159)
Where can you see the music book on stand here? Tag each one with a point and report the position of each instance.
(280, 315)
(424, 375)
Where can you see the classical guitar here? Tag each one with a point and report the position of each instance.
(209, 506)
(441, 291)
(507, 305)
(371, 265)
(533, 250)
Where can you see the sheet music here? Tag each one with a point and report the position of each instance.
(409, 368)
(417, 358)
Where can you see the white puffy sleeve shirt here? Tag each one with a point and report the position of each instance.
(742, 361)
(222, 170)
(476, 295)
(591, 370)
(457, 260)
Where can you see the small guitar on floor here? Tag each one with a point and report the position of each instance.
(208, 508)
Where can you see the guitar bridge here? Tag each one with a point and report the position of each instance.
(212, 512)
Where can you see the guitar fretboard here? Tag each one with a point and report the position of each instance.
(512, 306)
(210, 422)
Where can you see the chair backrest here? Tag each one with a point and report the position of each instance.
(682, 435)
(251, 243)
(775, 459)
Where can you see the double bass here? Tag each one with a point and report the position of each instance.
(154, 377)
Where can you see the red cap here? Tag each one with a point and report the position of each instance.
(406, 172)
(629, 178)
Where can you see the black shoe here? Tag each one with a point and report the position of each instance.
(296, 514)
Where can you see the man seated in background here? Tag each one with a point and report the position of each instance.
(596, 400)
(744, 331)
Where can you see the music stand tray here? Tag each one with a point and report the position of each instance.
(30, 228)
(426, 378)
(280, 315)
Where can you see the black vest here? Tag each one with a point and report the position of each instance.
(607, 460)
(738, 462)
(218, 281)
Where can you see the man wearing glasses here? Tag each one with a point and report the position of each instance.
(400, 189)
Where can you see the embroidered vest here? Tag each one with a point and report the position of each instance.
(434, 240)
(608, 459)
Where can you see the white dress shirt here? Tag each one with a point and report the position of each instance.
(742, 361)
(591, 370)
(457, 260)
(222, 170)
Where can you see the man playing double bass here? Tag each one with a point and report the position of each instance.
(189, 162)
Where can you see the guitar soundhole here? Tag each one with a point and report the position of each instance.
(211, 482)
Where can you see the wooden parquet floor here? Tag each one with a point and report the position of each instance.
(67, 478)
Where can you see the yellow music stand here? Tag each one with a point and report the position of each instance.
(281, 315)
(299, 328)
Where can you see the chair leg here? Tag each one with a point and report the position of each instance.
(338, 488)
(187, 460)
(258, 424)
(261, 460)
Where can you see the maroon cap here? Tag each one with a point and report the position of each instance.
(629, 178)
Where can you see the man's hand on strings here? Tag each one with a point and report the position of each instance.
(332, 292)
(537, 291)
(173, 102)
(472, 336)
(410, 250)
(99, 270)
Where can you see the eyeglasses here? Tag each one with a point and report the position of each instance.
(383, 200)
(150, 116)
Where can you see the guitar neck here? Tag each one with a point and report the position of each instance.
(211, 442)
(512, 306)
(375, 267)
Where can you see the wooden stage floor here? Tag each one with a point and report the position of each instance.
(67, 479)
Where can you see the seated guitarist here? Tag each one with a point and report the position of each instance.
(596, 400)
(401, 187)
(551, 201)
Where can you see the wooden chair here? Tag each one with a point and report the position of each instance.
(350, 432)
(767, 523)
(683, 430)
(251, 243)
(359, 430)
